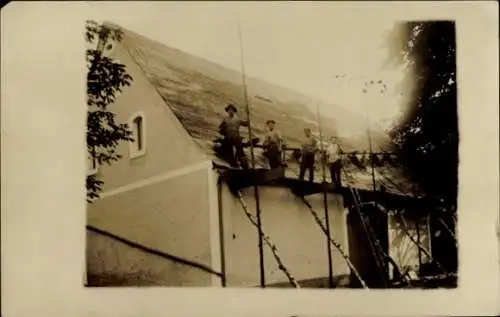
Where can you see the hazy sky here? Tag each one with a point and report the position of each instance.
(300, 45)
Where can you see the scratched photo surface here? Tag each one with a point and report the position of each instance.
(292, 158)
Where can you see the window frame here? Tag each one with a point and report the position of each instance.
(134, 151)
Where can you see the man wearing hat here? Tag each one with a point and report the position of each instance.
(230, 129)
(309, 149)
(334, 161)
(273, 144)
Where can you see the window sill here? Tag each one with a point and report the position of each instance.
(137, 155)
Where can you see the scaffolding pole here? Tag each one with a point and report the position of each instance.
(371, 156)
(221, 233)
(270, 244)
(375, 247)
(325, 201)
(370, 147)
(419, 245)
(252, 156)
(418, 240)
(335, 243)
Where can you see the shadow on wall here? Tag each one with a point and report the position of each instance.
(339, 281)
(113, 280)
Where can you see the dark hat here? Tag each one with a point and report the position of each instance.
(270, 121)
(231, 106)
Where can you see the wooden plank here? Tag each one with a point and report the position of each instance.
(244, 178)
(238, 178)
(306, 188)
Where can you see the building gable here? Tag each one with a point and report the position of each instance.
(165, 144)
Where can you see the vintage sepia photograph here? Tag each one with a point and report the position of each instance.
(267, 153)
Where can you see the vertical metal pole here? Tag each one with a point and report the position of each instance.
(256, 189)
(418, 222)
(221, 233)
(429, 232)
(325, 203)
(418, 240)
(371, 152)
(370, 148)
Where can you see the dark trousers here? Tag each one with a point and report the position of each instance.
(335, 169)
(274, 159)
(307, 163)
(273, 155)
(237, 151)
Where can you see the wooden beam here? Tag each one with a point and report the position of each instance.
(238, 179)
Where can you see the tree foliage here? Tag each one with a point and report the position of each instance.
(428, 136)
(105, 80)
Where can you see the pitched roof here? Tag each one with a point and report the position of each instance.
(197, 91)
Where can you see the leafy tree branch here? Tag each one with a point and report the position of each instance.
(105, 80)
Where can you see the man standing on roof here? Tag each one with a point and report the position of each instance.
(309, 148)
(273, 144)
(334, 161)
(230, 129)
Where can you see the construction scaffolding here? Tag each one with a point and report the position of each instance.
(252, 156)
(237, 179)
(379, 254)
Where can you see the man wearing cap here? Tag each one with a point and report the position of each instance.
(230, 129)
(334, 160)
(309, 148)
(273, 144)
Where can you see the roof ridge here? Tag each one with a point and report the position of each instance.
(238, 73)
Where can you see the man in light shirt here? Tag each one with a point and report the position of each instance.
(230, 129)
(334, 161)
(309, 149)
(273, 144)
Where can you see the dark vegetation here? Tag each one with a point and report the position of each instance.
(428, 137)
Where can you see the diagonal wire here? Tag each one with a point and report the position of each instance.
(419, 245)
(335, 243)
(449, 230)
(372, 238)
(268, 242)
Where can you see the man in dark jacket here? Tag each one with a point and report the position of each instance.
(273, 144)
(309, 149)
(230, 129)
